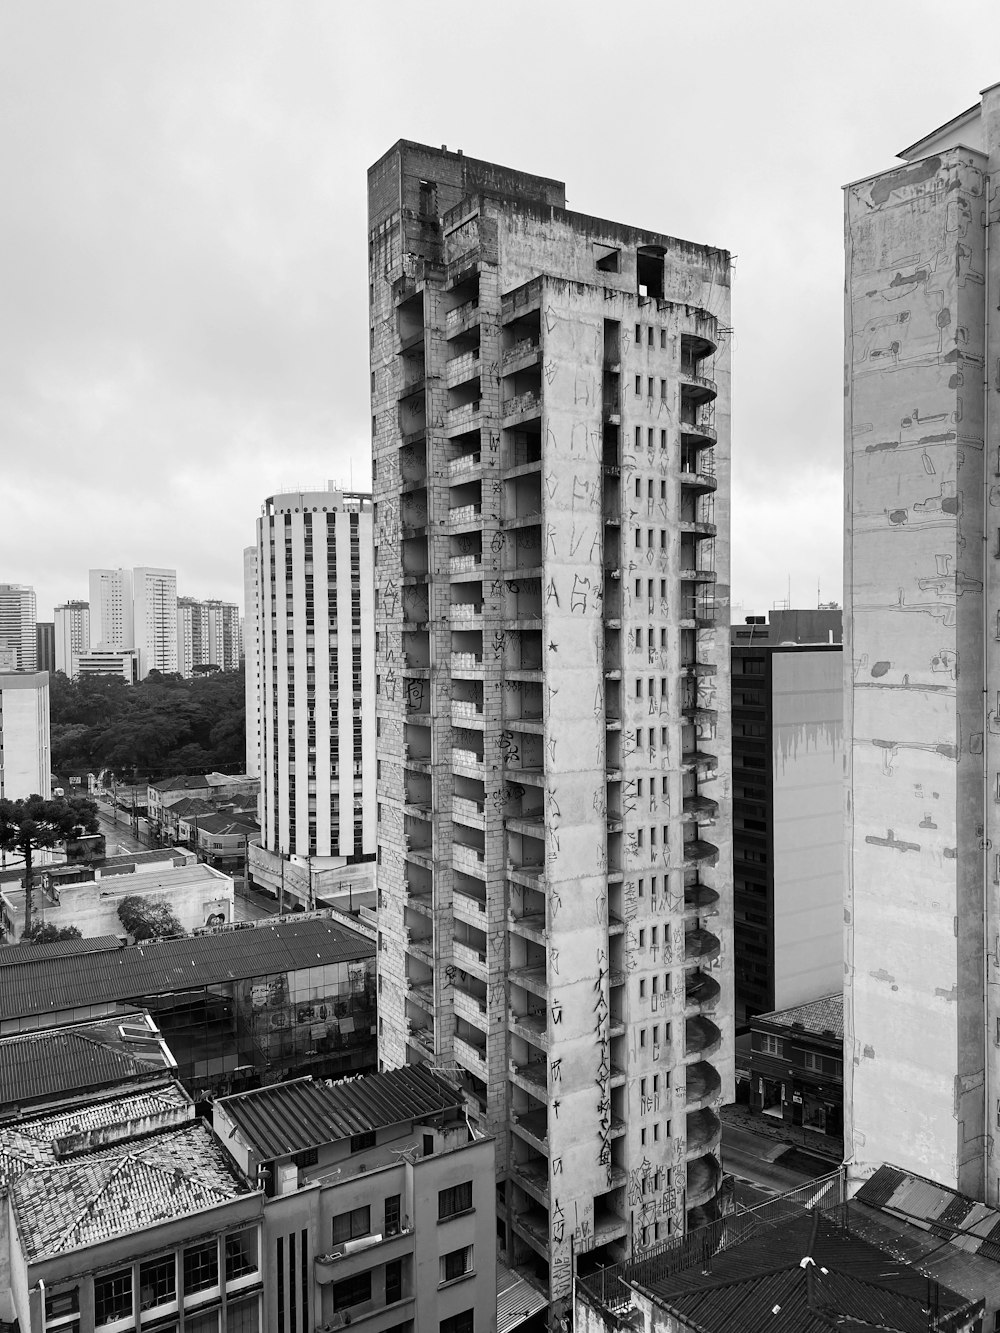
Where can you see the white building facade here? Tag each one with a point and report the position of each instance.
(251, 626)
(72, 634)
(25, 763)
(550, 411)
(18, 615)
(315, 669)
(154, 617)
(111, 620)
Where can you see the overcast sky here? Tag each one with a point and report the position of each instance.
(183, 323)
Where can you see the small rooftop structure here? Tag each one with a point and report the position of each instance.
(60, 1064)
(293, 1117)
(823, 1017)
(222, 825)
(33, 953)
(134, 1185)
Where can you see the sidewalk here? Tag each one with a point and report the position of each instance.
(789, 1136)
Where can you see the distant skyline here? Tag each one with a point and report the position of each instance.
(183, 248)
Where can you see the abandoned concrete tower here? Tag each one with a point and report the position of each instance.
(922, 655)
(550, 418)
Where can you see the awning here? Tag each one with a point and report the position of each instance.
(517, 1299)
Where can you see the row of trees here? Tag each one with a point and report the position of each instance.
(163, 725)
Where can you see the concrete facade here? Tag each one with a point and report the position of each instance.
(251, 613)
(922, 1042)
(72, 629)
(18, 644)
(111, 620)
(198, 895)
(154, 619)
(208, 634)
(315, 667)
(25, 763)
(550, 412)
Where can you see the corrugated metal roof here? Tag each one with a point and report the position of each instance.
(290, 1117)
(944, 1212)
(36, 1065)
(33, 953)
(47, 985)
(517, 1299)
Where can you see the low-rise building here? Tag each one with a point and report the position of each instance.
(122, 662)
(795, 1067)
(388, 1195)
(157, 1228)
(216, 789)
(237, 1007)
(220, 839)
(197, 895)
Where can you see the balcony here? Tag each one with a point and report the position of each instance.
(471, 1057)
(694, 574)
(356, 1256)
(703, 1085)
(608, 1226)
(465, 564)
(704, 1176)
(696, 387)
(698, 426)
(704, 1133)
(470, 859)
(529, 926)
(422, 1039)
(467, 760)
(469, 960)
(695, 761)
(701, 991)
(525, 351)
(467, 663)
(462, 368)
(532, 1225)
(469, 812)
(466, 713)
(422, 947)
(524, 404)
(701, 809)
(530, 979)
(695, 476)
(464, 612)
(698, 850)
(460, 317)
(469, 909)
(531, 1027)
(465, 514)
(700, 945)
(467, 464)
(470, 1008)
(532, 1076)
(533, 1178)
(700, 900)
(533, 1127)
(701, 1038)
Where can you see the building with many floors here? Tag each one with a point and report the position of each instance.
(922, 658)
(72, 631)
(136, 609)
(208, 634)
(18, 641)
(25, 761)
(45, 645)
(251, 613)
(550, 416)
(788, 810)
(314, 658)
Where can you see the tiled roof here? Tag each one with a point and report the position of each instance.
(134, 1185)
(164, 966)
(190, 805)
(26, 1144)
(223, 824)
(23, 953)
(185, 783)
(58, 1062)
(290, 1117)
(817, 1016)
(767, 1284)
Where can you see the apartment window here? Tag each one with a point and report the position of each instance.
(61, 1303)
(642, 937)
(392, 1215)
(457, 1199)
(771, 1045)
(641, 889)
(638, 333)
(663, 339)
(456, 1264)
(359, 1142)
(241, 1254)
(638, 638)
(649, 443)
(653, 934)
(642, 990)
(394, 1282)
(459, 1323)
(663, 439)
(638, 489)
(113, 1296)
(642, 1136)
(638, 686)
(638, 386)
(352, 1291)
(201, 1267)
(663, 539)
(649, 386)
(638, 591)
(642, 1036)
(157, 1282)
(649, 336)
(663, 388)
(656, 1133)
(638, 437)
(349, 1226)
(649, 538)
(241, 1316)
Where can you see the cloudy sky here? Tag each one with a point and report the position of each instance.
(183, 325)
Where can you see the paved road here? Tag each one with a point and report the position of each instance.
(751, 1159)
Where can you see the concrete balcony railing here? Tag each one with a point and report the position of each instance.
(460, 315)
(703, 1086)
(531, 1027)
(473, 811)
(701, 1038)
(470, 960)
(463, 710)
(462, 418)
(465, 610)
(465, 564)
(704, 1176)
(471, 513)
(465, 758)
(704, 1132)
(700, 945)
(469, 908)
(471, 1057)
(468, 463)
(700, 900)
(466, 661)
(697, 850)
(529, 401)
(470, 859)
(699, 808)
(462, 368)
(701, 991)
(523, 347)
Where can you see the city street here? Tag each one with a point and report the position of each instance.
(751, 1158)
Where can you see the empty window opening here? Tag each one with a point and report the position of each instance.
(649, 272)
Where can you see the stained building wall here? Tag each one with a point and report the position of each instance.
(914, 1011)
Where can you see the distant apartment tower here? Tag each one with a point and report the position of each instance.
(922, 662)
(18, 644)
(111, 619)
(225, 639)
(208, 634)
(550, 414)
(45, 645)
(251, 614)
(788, 810)
(154, 619)
(72, 634)
(315, 658)
(25, 763)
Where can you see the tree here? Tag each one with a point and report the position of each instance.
(145, 920)
(36, 821)
(44, 933)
